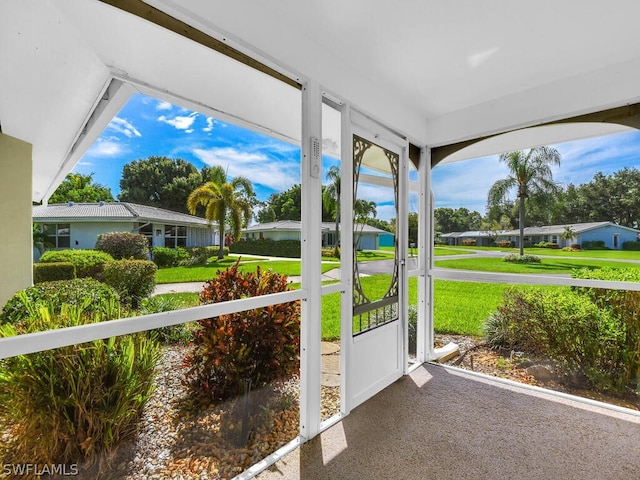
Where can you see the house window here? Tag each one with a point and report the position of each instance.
(616, 240)
(175, 236)
(58, 234)
(146, 229)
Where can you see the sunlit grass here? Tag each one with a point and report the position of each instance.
(547, 265)
(557, 252)
(200, 273)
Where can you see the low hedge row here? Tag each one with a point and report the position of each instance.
(49, 272)
(268, 247)
(88, 263)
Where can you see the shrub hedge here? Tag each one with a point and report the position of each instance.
(635, 246)
(134, 280)
(168, 257)
(49, 272)
(74, 292)
(586, 331)
(505, 244)
(268, 247)
(88, 263)
(594, 245)
(124, 245)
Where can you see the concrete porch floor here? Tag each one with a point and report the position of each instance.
(439, 423)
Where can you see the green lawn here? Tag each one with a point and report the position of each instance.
(547, 265)
(437, 251)
(200, 273)
(605, 254)
(440, 251)
(459, 307)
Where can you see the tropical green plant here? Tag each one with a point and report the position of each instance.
(180, 333)
(124, 245)
(224, 202)
(530, 174)
(88, 263)
(568, 234)
(331, 197)
(55, 294)
(255, 346)
(77, 403)
(134, 280)
(40, 239)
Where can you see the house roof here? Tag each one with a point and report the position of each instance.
(558, 229)
(108, 211)
(296, 225)
(437, 72)
(471, 233)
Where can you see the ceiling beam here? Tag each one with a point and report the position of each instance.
(627, 115)
(160, 18)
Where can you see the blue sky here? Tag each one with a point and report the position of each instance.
(146, 126)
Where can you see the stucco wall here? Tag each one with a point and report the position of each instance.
(606, 234)
(85, 235)
(15, 215)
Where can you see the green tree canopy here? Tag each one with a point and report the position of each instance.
(77, 187)
(456, 220)
(162, 182)
(282, 206)
(530, 175)
(613, 198)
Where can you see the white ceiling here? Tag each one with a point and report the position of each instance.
(437, 72)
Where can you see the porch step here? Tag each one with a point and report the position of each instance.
(447, 352)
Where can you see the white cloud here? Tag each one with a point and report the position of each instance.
(123, 126)
(189, 130)
(104, 148)
(209, 127)
(258, 167)
(162, 105)
(179, 122)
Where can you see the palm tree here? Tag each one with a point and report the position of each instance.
(568, 234)
(331, 196)
(362, 210)
(224, 201)
(530, 174)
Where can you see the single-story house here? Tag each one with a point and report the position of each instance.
(370, 238)
(77, 225)
(482, 238)
(611, 234)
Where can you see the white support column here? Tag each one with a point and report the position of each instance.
(311, 253)
(346, 261)
(16, 254)
(425, 260)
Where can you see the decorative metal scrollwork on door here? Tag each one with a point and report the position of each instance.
(368, 313)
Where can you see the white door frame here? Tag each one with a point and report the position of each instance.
(376, 358)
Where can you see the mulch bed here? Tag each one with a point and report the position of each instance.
(476, 356)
